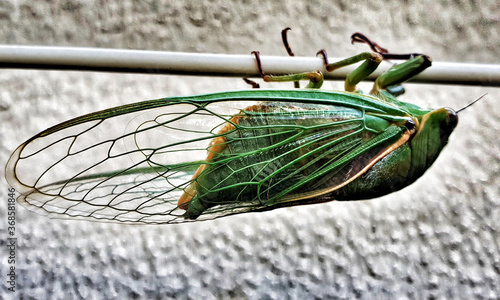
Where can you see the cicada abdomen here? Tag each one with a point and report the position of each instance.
(278, 154)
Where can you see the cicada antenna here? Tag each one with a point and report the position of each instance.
(472, 103)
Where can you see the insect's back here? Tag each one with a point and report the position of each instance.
(302, 146)
(274, 147)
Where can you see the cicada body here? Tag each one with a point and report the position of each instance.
(202, 157)
(181, 159)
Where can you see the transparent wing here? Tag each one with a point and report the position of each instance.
(133, 163)
(289, 153)
(128, 164)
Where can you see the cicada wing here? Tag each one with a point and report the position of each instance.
(133, 163)
(310, 179)
(128, 164)
(291, 153)
(332, 168)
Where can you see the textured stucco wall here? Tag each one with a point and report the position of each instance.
(438, 238)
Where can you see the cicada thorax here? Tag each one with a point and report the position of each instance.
(274, 153)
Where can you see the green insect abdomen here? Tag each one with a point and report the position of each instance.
(271, 151)
(390, 174)
(241, 169)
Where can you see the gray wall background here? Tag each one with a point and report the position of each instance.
(438, 238)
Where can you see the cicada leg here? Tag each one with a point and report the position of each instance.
(372, 60)
(254, 84)
(288, 49)
(415, 64)
(312, 76)
(315, 78)
(402, 72)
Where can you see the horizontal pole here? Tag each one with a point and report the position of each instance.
(199, 64)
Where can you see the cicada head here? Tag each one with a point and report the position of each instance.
(432, 135)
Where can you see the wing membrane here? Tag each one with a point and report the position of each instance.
(131, 164)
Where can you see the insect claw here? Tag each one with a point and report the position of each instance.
(361, 38)
(254, 84)
(259, 64)
(285, 41)
(322, 52)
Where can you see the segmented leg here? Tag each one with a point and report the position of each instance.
(361, 38)
(415, 64)
(254, 84)
(402, 72)
(315, 78)
(288, 49)
(372, 60)
(284, 38)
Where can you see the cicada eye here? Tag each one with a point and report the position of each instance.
(410, 125)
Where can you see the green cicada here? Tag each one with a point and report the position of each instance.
(181, 159)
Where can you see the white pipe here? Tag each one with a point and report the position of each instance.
(159, 62)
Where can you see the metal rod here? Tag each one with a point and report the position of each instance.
(179, 63)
